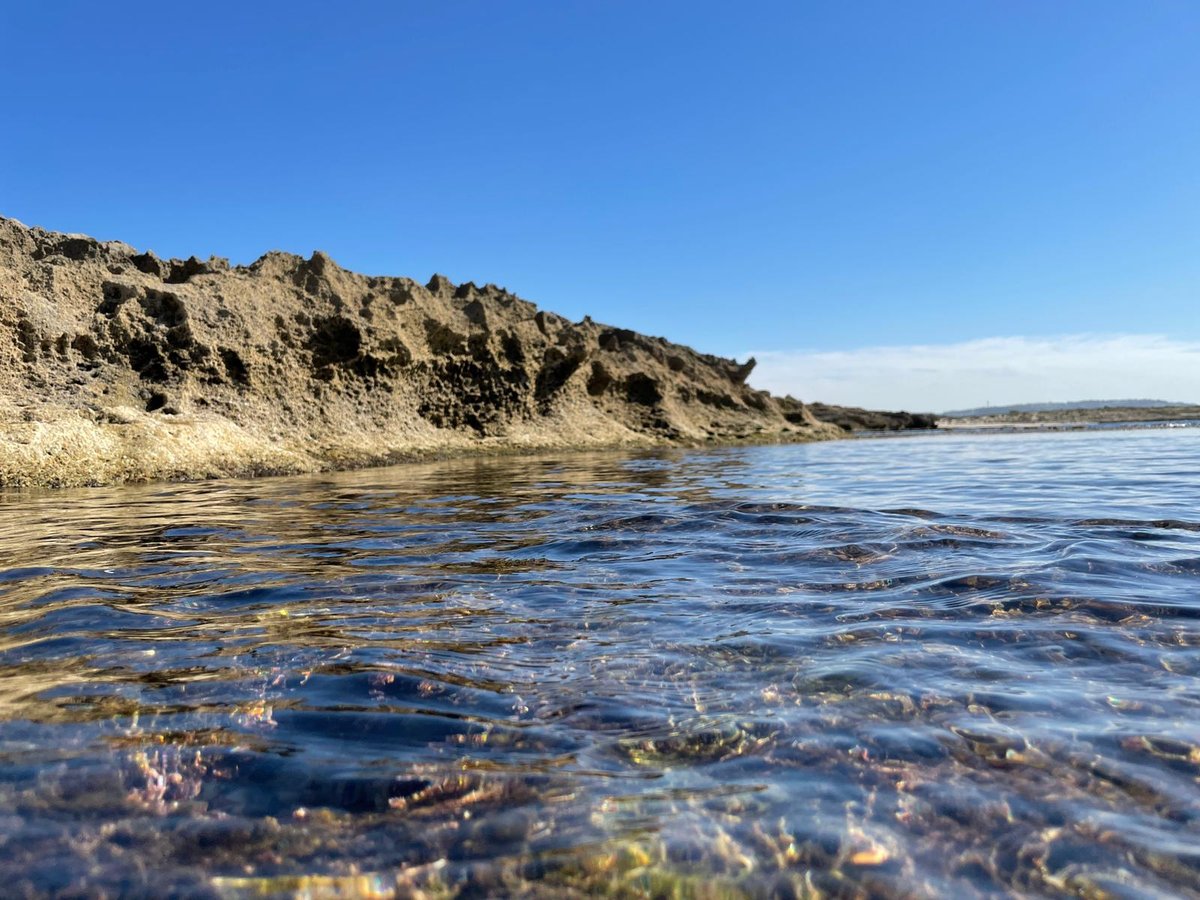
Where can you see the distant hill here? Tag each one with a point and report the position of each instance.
(1058, 407)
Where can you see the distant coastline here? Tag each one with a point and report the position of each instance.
(997, 410)
(1106, 415)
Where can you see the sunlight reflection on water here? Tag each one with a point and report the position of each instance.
(953, 664)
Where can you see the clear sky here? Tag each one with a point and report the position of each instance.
(806, 181)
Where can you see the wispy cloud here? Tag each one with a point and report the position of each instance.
(937, 377)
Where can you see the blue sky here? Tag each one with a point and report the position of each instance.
(790, 179)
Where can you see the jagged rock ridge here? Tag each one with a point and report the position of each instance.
(116, 365)
(852, 418)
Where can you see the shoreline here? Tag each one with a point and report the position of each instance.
(1077, 418)
(117, 366)
(41, 464)
(1069, 426)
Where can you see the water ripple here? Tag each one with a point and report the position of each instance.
(948, 665)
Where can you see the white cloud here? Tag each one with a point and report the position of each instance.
(938, 377)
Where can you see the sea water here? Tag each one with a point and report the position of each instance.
(957, 665)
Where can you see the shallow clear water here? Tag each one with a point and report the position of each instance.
(950, 664)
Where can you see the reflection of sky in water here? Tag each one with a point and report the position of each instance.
(1139, 472)
(945, 664)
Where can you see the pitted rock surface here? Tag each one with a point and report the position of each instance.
(116, 365)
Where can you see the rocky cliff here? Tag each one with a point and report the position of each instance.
(116, 365)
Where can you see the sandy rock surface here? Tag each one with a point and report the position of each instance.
(118, 366)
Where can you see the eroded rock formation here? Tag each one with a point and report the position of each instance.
(852, 418)
(116, 365)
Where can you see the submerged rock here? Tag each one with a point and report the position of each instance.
(117, 365)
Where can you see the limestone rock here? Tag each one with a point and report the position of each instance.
(116, 365)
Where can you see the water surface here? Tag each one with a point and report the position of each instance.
(963, 665)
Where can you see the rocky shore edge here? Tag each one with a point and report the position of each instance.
(118, 366)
